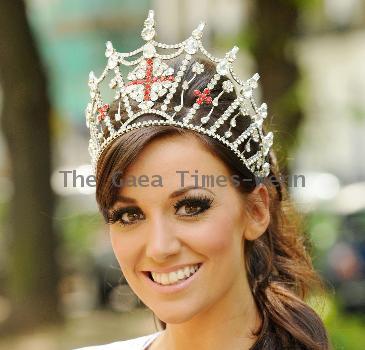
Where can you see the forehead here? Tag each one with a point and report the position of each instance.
(176, 153)
(176, 161)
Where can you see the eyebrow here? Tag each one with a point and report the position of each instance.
(174, 194)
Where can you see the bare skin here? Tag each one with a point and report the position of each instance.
(217, 310)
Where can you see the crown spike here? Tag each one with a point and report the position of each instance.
(198, 32)
(109, 49)
(148, 32)
(232, 55)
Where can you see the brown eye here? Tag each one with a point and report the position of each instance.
(191, 209)
(129, 217)
(126, 216)
(193, 206)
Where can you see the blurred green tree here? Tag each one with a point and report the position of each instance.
(273, 27)
(32, 270)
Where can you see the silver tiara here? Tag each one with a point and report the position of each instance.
(153, 79)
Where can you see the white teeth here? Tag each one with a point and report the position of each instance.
(180, 274)
(164, 279)
(173, 277)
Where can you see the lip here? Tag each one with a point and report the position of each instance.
(175, 288)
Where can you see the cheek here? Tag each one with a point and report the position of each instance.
(125, 250)
(220, 237)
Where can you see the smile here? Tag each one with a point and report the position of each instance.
(175, 276)
(173, 281)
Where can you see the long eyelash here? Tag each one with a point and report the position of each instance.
(116, 215)
(202, 201)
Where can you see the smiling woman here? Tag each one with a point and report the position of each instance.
(221, 267)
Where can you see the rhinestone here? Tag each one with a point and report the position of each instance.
(139, 74)
(154, 96)
(228, 134)
(191, 46)
(92, 77)
(231, 55)
(248, 146)
(109, 49)
(252, 83)
(162, 92)
(149, 50)
(258, 120)
(169, 71)
(269, 138)
(223, 67)
(198, 68)
(247, 92)
(204, 119)
(227, 86)
(266, 168)
(233, 122)
(113, 61)
(263, 110)
(145, 105)
(166, 84)
(148, 33)
(163, 107)
(256, 76)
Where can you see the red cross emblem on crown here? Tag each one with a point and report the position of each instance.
(150, 79)
(203, 97)
(102, 112)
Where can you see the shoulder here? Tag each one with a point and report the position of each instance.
(139, 343)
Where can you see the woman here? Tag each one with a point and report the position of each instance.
(217, 255)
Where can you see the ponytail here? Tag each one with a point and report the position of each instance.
(280, 275)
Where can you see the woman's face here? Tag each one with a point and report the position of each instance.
(165, 229)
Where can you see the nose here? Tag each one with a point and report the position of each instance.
(162, 242)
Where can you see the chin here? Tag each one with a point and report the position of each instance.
(174, 317)
(175, 313)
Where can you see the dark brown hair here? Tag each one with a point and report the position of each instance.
(279, 268)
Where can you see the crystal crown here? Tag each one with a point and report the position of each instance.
(151, 79)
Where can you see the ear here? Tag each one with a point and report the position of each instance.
(258, 214)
